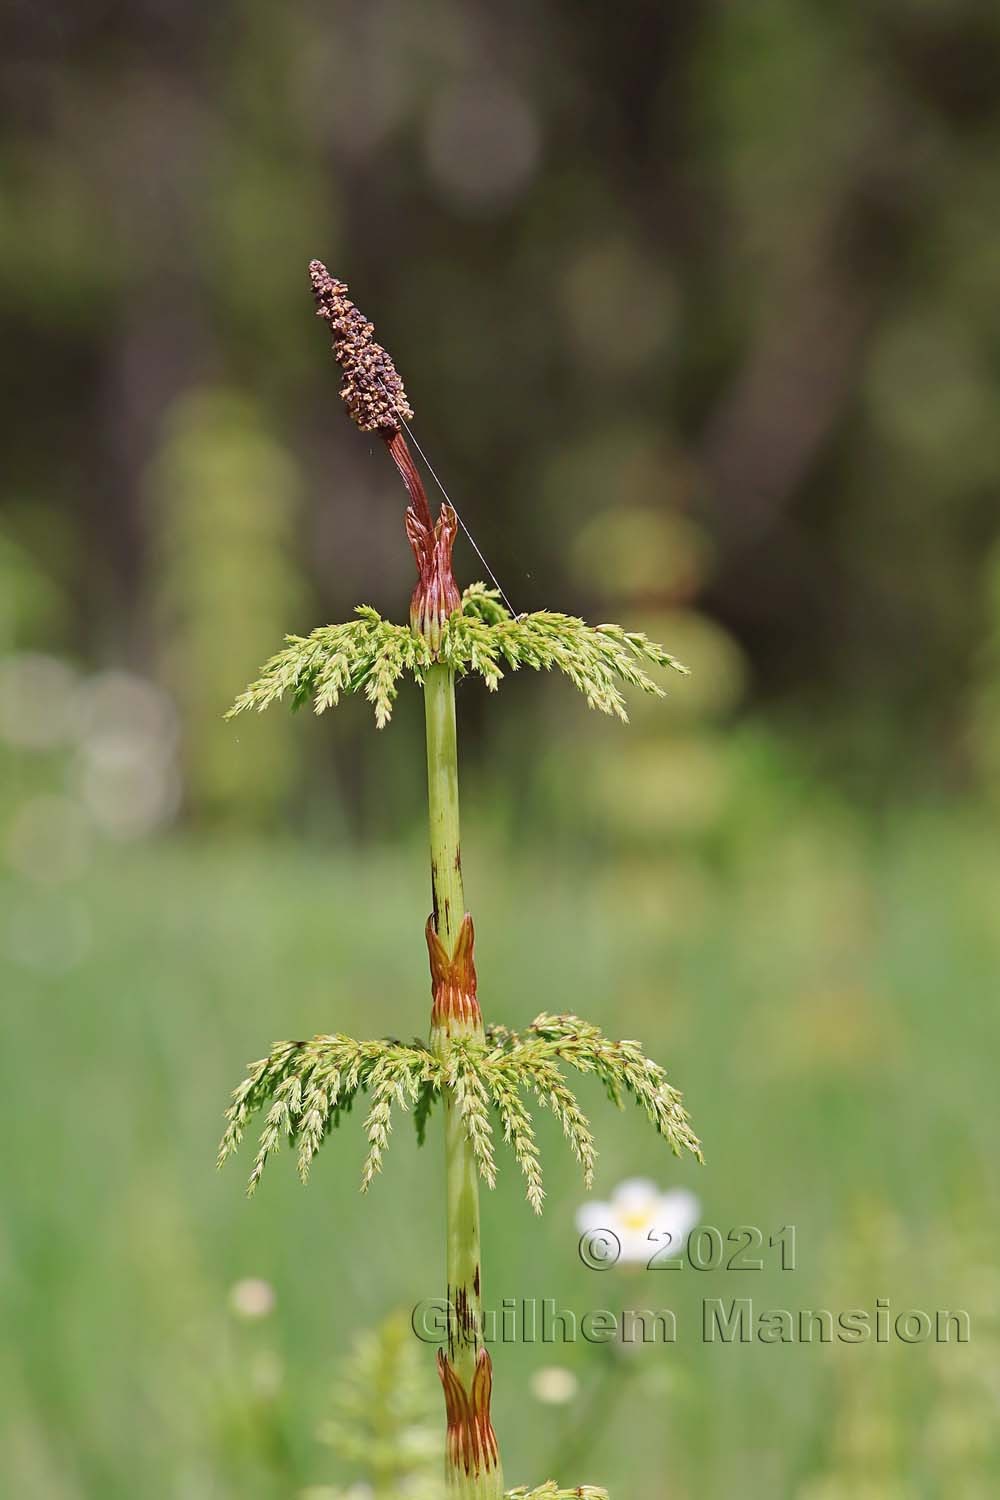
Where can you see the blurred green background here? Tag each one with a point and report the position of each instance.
(699, 310)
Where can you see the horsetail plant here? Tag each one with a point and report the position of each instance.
(477, 1073)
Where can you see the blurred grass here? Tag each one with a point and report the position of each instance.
(823, 993)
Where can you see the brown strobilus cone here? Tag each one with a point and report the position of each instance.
(376, 401)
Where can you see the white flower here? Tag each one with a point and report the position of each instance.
(252, 1298)
(554, 1384)
(637, 1208)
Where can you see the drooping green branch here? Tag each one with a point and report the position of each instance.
(308, 1086)
(366, 655)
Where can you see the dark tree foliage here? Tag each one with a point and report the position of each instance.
(736, 262)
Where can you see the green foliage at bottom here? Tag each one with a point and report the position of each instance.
(551, 1491)
(817, 1024)
(383, 1422)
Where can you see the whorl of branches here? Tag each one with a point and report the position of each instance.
(371, 655)
(303, 1089)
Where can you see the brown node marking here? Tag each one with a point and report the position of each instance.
(451, 1323)
(471, 1441)
(464, 1315)
(453, 978)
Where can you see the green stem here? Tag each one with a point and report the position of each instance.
(463, 1235)
(442, 796)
